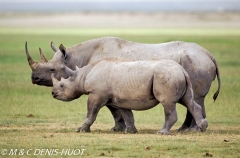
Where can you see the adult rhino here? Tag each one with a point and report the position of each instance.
(197, 61)
(135, 85)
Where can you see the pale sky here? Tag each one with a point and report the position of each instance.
(123, 5)
(116, 0)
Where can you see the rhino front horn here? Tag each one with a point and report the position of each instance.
(32, 63)
(43, 59)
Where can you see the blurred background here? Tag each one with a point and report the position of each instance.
(135, 14)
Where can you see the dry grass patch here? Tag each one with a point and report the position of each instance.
(217, 141)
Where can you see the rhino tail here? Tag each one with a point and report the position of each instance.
(217, 73)
(218, 78)
(189, 83)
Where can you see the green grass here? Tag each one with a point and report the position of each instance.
(31, 119)
(123, 31)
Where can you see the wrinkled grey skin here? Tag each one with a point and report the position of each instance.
(142, 85)
(197, 61)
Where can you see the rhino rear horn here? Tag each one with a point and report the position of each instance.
(77, 68)
(54, 80)
(54, 48)
(32, 63)
(43, 59)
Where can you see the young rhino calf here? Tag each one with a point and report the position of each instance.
(135, 85)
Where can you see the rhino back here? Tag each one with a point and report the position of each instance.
(196, 60)
(181, 52)
(115, 47)
(130, 83)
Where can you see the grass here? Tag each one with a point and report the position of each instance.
(124, 31)
(31, 119)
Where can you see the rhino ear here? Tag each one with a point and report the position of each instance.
(63, 50)
(54, 48)
(54, 80)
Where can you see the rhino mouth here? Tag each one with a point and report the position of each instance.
(42, 83)
(62, 99)
(59, 97)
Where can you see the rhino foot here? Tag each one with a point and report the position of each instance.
(164, 131)
(193, 129)
(203, 125)
(84, 128)
(117, 128)
(131, 129)
(182, 128)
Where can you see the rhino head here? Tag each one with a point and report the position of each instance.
(65, 89)
(42, 71)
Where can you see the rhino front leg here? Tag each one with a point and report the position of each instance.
(119, 121)
(84, 128)
(129, 120)
(94, 104)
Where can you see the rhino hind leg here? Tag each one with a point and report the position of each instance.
(187, 123)
(129, 120)
(118, 127)
(200, 120)
(130, 129)
(194, 127)
(119, 121)
(205, 69)
(203, 125)
(190, 124)
(196, 110)
(170, 118)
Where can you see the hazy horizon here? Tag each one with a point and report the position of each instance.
(123, 5)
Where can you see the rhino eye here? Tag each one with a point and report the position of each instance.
(61, 85)
(52, 70)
